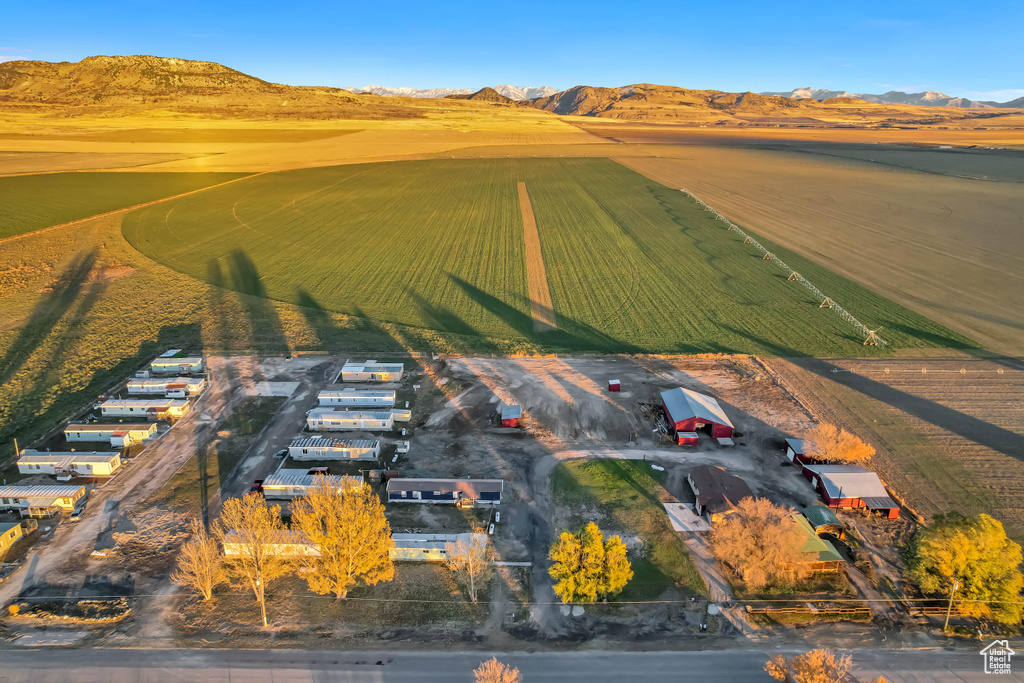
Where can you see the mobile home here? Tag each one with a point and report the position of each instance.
(325, 448)
(151, 409)
(176, 366)
(429, 547)
(357, 398)
(372, 371)
(10, 532)
(323, 419)
(286, 543)
(169, 387)
(40, 501)
(70, 463)
(478, 492)
(120, 435)
(288, 484)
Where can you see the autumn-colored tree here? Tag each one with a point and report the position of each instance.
(974, 554)
(200, 564)
(471, 560)
(255, 530)
(816, 666)
(829, 443)
(493, 671)
(586, 566)
(760, 542)
(348, 527)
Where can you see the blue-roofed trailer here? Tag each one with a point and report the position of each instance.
(478, 492)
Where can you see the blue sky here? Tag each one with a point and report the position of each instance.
(967, 49)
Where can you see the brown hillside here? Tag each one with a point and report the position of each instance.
(484, 95)
(123, 85)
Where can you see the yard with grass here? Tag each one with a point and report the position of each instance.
(625, 497)
(32, 202)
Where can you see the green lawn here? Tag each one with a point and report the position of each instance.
(632, 265)
(627, 497)
(31, 202)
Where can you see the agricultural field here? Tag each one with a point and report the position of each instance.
(949, 433)
(632, 265)
(904, 226)
(32, 202)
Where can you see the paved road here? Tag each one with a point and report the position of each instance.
(278, 666)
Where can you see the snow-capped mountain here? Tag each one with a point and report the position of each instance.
(929, 98)
(512, 92)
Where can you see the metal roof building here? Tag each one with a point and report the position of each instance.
(716, 490)
(119, 434)
(325, 448)
(818, 554)
(37, 501)
(171, 387)
(72, 463)
(372, 371)
(357, 398)
(150, 408)
(326, 419)
(797, 450)
(293, 483)
(185, 366)
(285, 543)
(851, 486)
(441, 491)
(688, 411)
(824, 520)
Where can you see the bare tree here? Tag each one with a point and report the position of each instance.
(471, 560)
(832, 444)
(493, 671)
(255, 531)
(200, 564)
(351, 533)
(816, 666)
(761, 544)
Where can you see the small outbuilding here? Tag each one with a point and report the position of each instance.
(717, 491)
(70, 463)
(799, 451)
(430, 547)
(688, 411)
(851, 486)
(325, 448)
(325, 419)
(511, 415)
(372, 371)
(687, 438)
(614, 385)
(10, 532)
(824, 521)
(357, 398)
(476, 492)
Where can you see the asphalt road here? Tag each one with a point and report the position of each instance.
(291, 666)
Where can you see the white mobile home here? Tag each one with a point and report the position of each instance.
(120, 435)
(324, 419)
(372, 371)
(287, 543)
(169, 387)
(39, 501)
(288, 484)
(151, 409)
(429, 547)
(70, 463)
(176, 366)
(325, 448)
(357, 398)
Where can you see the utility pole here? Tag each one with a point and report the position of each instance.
(956, 584)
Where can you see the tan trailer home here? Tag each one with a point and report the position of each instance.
(10, 532)
(177, 366)
(286, 543)
(70, 463)
(325, 448)
(372, 371)
(169, 387)
(119, 434)
(357, 398)
(326, 420)
(292, 483)
(40, 501)
(150, 409)
(429, 547)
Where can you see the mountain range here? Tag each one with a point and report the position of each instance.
(512, 92)
(929, 98)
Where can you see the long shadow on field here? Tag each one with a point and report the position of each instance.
(266, 331)
(582, 338)
(966, 426)
(331, 335)
(47, 312)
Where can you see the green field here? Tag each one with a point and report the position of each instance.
(632, 265)
(31, 202)
(627, 497)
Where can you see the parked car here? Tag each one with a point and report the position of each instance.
(281, 453)
(257, 487)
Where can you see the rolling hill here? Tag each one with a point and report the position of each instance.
(928, 98)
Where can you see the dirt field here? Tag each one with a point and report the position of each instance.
(946, 439)
(946, 247)
(541, 308)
